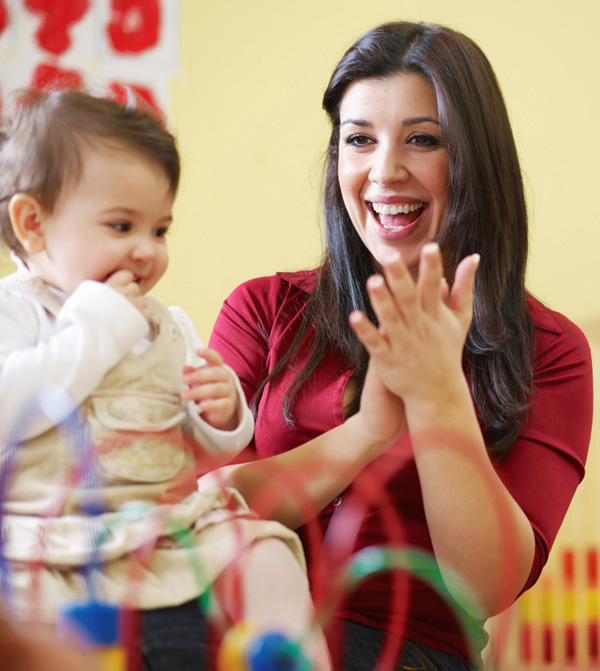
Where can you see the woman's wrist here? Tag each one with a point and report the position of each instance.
(449, 405)
(368, 443)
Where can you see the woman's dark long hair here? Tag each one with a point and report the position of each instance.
(487, 214)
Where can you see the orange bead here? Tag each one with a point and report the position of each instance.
(232, 652)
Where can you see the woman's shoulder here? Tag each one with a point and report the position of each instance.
(556, 335)
(274, 289)
(546, 319)
(266, 304)
(305, 280)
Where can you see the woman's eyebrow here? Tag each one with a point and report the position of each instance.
(420, 119)
(412, 121)
(357, 122)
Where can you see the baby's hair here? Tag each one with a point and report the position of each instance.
(41, 145)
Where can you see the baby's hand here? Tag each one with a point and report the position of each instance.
(124, 282)
(213, 389)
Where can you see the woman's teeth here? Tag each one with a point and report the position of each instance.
(380, 208)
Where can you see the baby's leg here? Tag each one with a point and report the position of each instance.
(275, 596)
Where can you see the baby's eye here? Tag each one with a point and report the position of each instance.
(161, 232)
(424, 140)
(121, 226)
(358, 140)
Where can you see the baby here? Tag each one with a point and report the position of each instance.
(87, 188)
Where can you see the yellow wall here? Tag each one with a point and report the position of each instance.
(247, 111)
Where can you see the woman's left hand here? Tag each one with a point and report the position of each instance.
(417, 348)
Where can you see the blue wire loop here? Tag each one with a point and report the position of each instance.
(55, 403)
(265, 653)
(97, 620)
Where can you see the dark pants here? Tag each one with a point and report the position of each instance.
(180, 639)
(177, 639)
(362, 645)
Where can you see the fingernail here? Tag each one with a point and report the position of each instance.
(375, 281)
(476, 258)
(431, 247)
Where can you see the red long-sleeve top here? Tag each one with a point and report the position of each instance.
(542, 470)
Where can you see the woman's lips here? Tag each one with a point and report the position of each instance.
(396, 221)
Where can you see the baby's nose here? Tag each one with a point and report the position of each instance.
(143, 249)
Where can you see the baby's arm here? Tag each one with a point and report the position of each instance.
(94, 329)
(220, 419)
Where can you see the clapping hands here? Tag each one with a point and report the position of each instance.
(417, 348)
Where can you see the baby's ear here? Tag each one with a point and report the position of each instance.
(26, 218)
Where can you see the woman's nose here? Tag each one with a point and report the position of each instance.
(388, 167)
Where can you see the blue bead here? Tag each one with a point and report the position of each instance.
(274, 651)
(96, 623)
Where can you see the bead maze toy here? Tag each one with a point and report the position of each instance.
(101, 628)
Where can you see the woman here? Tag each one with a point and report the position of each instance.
(490, 391)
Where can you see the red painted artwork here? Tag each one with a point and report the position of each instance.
(58, 17)
(48, 76)
(115, 28)
(134, 25)
(3, 16)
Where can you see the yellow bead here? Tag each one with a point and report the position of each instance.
(111, 658)
(232, 652)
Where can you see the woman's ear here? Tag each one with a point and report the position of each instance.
(26, 218)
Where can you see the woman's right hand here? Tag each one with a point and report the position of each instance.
(381, 418)
(323, 467)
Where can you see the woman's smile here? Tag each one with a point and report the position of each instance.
(393, 164)
(397, 219)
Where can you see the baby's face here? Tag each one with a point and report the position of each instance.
(114, 218)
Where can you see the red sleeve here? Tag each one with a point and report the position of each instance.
(258, 320)
(243, 333)
(239, 334)
(547, 463)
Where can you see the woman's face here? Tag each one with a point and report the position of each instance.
(393, 164)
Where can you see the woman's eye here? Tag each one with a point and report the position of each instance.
(358, 140)
(424, 140)
(121, 226)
